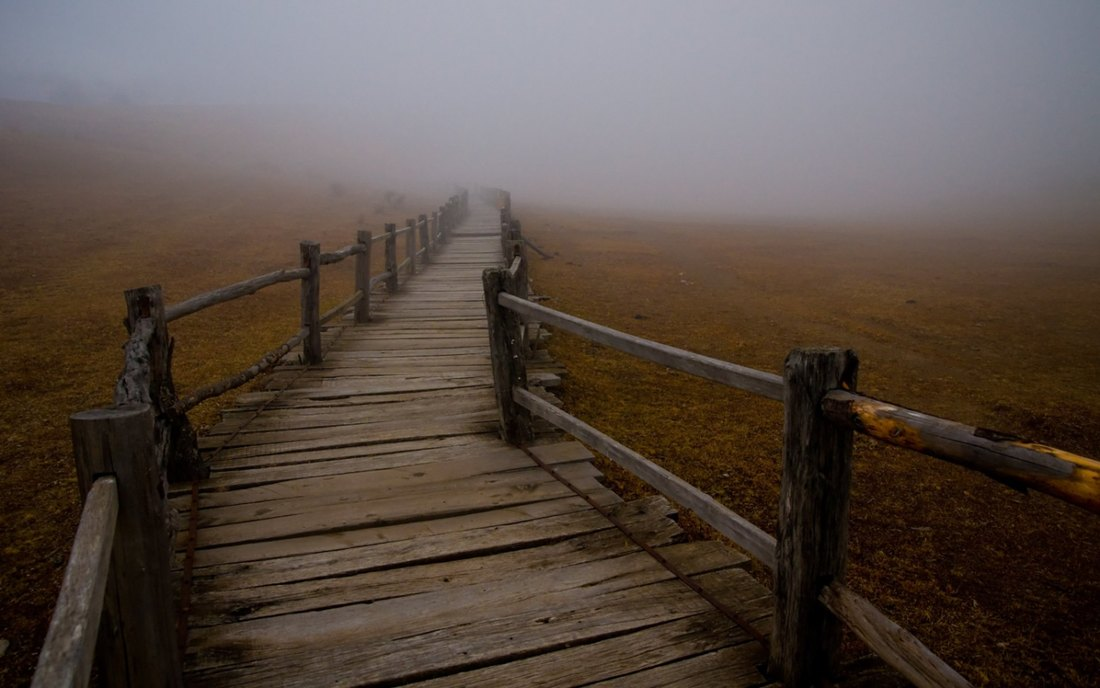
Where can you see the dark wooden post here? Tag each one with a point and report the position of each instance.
(137, 635)
(435, 229)
(425, 237)
(147, 378)
(391, 257)
(505, 233)
(311, 301)
(812, 543)
(362, 276)
(506, 350)
(410, 244)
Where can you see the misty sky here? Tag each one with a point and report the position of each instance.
(803, 110)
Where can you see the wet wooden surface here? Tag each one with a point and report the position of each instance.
(364, 525)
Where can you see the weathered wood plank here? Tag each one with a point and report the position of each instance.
(745, 534)
(67, 653)
(897, 647)
(768, 385)
(233, 291)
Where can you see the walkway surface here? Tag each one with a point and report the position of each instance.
(365, 525)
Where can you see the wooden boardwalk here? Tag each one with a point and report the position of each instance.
(365, 525)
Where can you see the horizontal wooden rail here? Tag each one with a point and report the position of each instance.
(898, 647)
(341, 307)
(404, 265)
(748, 536)
(768, 385)
(233, 291)
(66, 656)
(340, 254)
(379, 278)
(1073, 478)
(266, 361)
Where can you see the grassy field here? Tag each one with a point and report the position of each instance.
(81, 219)
(996, 329)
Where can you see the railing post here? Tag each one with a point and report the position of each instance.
(137, 636)
(362, 275)
(410, 244)
(506, 351)
(425, 237)
(311, 301)
(147, 378)
(435, 229)
(391, 257)
(812, 543)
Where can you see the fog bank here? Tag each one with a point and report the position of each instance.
(851, 110)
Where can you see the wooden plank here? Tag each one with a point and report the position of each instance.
(276, 556)
(722, 518)
(731, 666)
(758, 382)
(897, 647)
(370, 484)
(233, 291)
(310, 517)
(1007, 458)
(604, 659)
(66, 655)
(240, 604)
(487, 628)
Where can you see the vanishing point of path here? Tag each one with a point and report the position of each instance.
(365, 525)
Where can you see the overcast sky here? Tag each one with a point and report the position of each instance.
(786, 110)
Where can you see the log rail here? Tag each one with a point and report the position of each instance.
(822, 411)
(116, 603)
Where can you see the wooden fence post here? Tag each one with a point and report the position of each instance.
(435, 229)
(812, 543)
(425, 237)
(311, 301)
(362, 276)
(137, 637)
(410, 244)
(506, 350)
(391, 257)
(147, 378)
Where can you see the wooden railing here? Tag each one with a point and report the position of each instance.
(116, 600)
(822, 410)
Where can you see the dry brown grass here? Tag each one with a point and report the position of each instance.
(79, 223)
(1000, 330)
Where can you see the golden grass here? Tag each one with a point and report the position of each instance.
(999, 330)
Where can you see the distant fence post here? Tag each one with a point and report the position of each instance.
(516, 246)
(391, 257)
(136, 643)
(506, 351)
(362, 275)
(435, 229)
(425, 237)
(812, 543)
(410, 244)
(311, 301)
